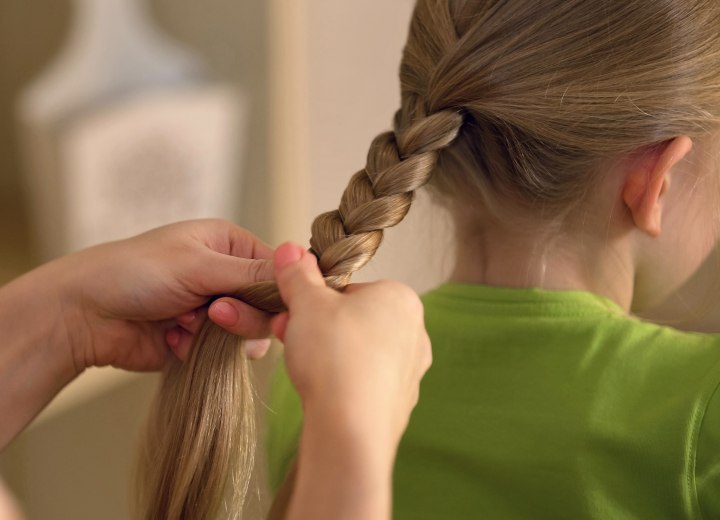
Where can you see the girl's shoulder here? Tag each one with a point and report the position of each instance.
(563, 310)
(562, 327)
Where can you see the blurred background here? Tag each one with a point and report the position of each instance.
(120, 115)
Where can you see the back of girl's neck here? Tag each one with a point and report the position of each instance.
(548, 262)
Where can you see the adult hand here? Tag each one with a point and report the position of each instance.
(356, 360)
(361, 352)
(114, 304)
(119, 299)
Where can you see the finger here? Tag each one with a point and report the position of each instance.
(225, 274)
(246, 245)
(257, 348)
(179, 342)
(172, 337)
(297, 274)
(228, 238)
(240, 318)
(278, 325)
(192, 324)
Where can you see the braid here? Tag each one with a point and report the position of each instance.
(377, 197)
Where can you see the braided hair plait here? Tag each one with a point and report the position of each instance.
(377, 197)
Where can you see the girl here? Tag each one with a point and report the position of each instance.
(574, 143)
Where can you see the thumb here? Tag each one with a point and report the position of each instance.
(297, 274)
(223, 274)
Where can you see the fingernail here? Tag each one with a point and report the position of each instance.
(288, 254)
(223, 313)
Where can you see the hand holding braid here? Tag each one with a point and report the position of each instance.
(377, 197)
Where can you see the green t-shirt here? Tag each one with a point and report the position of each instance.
(549, 405)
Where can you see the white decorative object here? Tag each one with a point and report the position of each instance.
(124, 132)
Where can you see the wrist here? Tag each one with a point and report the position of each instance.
(64, 298)
(344, 468)
(36, 357)
(358, 421)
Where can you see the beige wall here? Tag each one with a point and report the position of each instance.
(232, 37)
(29, 32)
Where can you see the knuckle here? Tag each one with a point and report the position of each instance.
(218, 222)
(410, 301)
(400, 294)
(259, 270)
(210, 229)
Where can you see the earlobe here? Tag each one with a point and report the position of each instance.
(648, 181)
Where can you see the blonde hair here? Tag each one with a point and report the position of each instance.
(501, 101)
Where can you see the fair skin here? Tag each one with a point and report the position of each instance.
(374, 367)
(636, 241)
(116, 304)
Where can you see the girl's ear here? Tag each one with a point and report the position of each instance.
(648, 180)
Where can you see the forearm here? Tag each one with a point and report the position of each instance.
(36, 360)
(343, 472)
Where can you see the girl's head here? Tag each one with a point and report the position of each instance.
(568, 107)
(552, 89)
